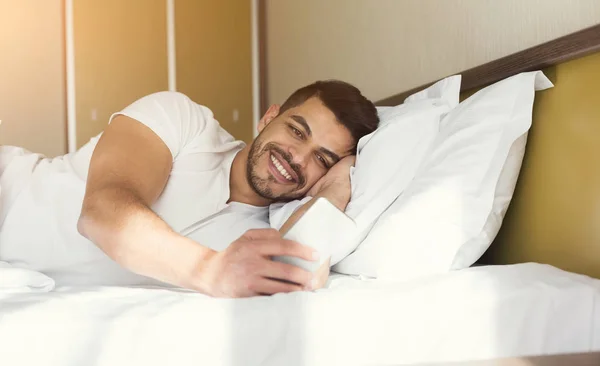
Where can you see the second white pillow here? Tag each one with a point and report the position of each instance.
(437, 223)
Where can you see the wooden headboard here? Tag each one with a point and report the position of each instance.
(554, 216)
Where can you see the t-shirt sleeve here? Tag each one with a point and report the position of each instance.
(173, 116)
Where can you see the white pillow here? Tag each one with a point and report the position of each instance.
(387, 159)
(450, 201)
(473, 249)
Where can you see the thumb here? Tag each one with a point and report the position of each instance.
(255, 234)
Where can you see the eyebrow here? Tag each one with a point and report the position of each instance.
(304, 124)
(333, 156)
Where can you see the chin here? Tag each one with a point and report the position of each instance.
(288, 196)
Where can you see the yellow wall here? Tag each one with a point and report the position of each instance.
(120, 50)
(388, 46)
(120, 56)
(214, 59)
(32, 75)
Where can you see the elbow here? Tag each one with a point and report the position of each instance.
(81, 221)
(82, 226)
(98, 223)
(86, 219)
(91, 227)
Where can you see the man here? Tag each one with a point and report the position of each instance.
(163, 164)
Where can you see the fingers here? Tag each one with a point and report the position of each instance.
(268, 286)
(270, 243)
(287, 248)
(286, 272)
(255, 234)
(350, 159)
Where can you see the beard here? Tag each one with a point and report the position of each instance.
(261, 185)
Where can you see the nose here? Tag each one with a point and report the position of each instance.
(299, 155)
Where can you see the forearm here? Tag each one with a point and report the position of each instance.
(129, 232)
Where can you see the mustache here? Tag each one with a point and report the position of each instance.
(288, 158)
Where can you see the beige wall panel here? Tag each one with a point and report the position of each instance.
(388, 46)
(32, 75)
(214, 59)
(120, 56)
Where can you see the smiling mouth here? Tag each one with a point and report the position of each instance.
(281, 170)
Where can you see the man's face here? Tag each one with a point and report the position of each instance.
(295, 149)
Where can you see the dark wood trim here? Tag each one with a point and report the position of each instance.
(262, 55)
(551, 53)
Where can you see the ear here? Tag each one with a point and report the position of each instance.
(271, 113)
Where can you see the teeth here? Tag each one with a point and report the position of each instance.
(280, 168)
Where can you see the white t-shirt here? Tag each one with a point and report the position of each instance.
(41, 197)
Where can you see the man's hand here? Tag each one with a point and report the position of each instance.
(245, 268)
(335, 185)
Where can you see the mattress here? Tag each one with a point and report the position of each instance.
(477, 313)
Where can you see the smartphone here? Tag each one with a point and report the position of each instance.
(324, 228)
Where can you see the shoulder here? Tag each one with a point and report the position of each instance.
(177, 119)
(167, 97)
(173, 105)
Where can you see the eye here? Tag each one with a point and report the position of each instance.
(323, 161)
(296, 131)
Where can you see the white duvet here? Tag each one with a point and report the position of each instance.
(477, 313)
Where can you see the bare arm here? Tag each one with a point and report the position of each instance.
(128, 172)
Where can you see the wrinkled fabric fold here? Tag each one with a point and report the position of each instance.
(15, 279)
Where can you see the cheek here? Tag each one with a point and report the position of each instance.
(313, 174)
(263, 163)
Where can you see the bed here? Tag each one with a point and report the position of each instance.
(535, 291)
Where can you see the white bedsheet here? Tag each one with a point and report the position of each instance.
(14, 279)
(478, 313)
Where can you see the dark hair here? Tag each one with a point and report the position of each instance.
(350, 107)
